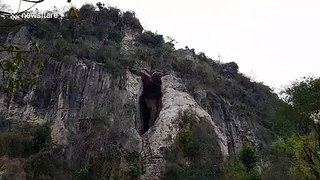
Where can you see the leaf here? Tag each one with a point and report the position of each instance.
(18, 84)
(39, 64)
(10, 86)
(13, 47)
(38, 47)
(20, 59)
(9, 66)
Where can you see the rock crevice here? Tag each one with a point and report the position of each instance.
(150, 100)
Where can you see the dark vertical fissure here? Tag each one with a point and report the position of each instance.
(145, 115)
(150, 100)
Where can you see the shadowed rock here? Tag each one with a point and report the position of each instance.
(150, 99)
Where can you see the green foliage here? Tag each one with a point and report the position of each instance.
(151, 39)
(207, 144)
(100, 166)
(135, 165)
(115, 36)
(128, 18)
(286, 115)
(168, 49)
(304, 152)
(193, 172)
(41, 137)
(307, 156)
(299, 116)
(38, 166)
(84, 172)
(233, 169)
(114, 13)
(248, 158)
(303, 99)
(187, 142)
(186, 117)
(277, 161)
(107, 54)
(85, 50)
(14, 67)
(23, 144)
(304, 95)
(135, 171)
(87, 10)
(285, 146)
(15, 144)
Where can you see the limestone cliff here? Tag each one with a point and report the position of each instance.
(96, 114)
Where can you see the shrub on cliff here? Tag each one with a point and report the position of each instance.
(151, 39)
(86, 11)
(23, 144)
(193, 172)
(107, 53)
(187, 142)
(41, 137)
(248, 158)
(128, 18)
(14, 144)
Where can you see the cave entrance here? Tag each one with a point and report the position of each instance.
(150, 100)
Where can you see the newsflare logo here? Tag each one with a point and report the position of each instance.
(28, 15)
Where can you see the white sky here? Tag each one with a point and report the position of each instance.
(273, 41)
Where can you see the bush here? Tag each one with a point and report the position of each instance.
(15, 144)
(113, 13)
(187, 116)
(41, 138)
(248, 158)
(187, 143)
(233, 169)
(18, 144)
(174, 172)
(129, 18)
(86, 11)
(151, 39)
(84, 50)
(193, 172)
(114, 35)
(107, 53)
(39, 166)
(84, 172)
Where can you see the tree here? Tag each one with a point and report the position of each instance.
(248, 158)
(15, 62)
(303, 97)
(100, 5)
(151, 39)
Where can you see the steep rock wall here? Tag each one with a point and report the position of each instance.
(92, 111)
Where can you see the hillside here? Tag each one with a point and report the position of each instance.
(114, 101)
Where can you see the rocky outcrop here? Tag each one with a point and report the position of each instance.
(74, 95)
(92, 111)
(163, 134)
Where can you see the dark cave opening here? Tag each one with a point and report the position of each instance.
(150, 100)
(145, 115)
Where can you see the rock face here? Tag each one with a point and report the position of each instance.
(92, 111)
(163, 134)
(74, 95)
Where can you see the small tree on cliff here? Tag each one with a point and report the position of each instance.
(248, 158)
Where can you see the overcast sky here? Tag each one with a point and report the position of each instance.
(273, 41)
